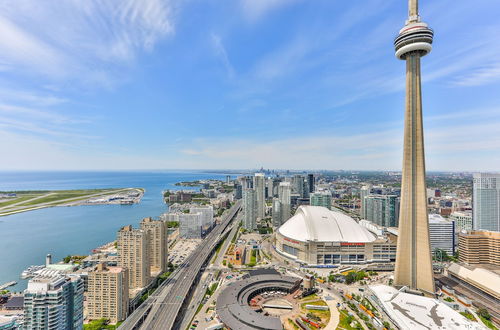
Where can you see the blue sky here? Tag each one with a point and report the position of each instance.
(298, 84)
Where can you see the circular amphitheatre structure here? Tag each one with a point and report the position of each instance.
(236, 305)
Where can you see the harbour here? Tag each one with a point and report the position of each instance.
(63, 231)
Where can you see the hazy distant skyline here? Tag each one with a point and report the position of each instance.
(237, 84)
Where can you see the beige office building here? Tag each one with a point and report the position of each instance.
(157, 232)
(479, 247)
(107, 295)
(132, 245)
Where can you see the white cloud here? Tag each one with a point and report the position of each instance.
(221, 52)
(480, 76)
(381, 150)
(81, 40)
(256, 9)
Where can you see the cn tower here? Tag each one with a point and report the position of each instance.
(413, 259)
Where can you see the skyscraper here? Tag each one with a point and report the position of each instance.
(382, 210)
(365, 191)
(486, 201)
(413, 262)
(191, 225)
(277, 217)
(54, 301)
(207, 214)
(260, 194)
(441, 234)
(310, 182)
(322, 198)
(298, 185)
(132, 246)
(107, 295)
(285, 198)
(157, 243)
(249, 209)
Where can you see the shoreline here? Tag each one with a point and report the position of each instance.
(113, 196)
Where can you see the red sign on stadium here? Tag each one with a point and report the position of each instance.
(289, 240)
(352, 244)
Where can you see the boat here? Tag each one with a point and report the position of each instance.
(30, 271)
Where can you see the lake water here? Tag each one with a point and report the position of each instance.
(26, 238)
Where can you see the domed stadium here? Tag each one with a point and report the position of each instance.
(316, 235)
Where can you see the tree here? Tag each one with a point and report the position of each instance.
(350, 277)
(483, 312)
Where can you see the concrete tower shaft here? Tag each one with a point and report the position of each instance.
(413, 260)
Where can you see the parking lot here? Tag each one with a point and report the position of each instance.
(181, 250)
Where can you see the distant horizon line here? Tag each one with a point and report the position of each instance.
(234, 170)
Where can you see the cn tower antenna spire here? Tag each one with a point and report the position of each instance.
(412, 8)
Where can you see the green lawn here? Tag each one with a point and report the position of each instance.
(315, 303)
(488, 323)
(345, 321)
(469, 316)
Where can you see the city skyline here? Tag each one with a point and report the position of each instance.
(161, 85)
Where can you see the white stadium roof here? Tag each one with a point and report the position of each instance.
(317, 223)
(409, 311)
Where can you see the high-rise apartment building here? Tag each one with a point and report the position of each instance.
(157, 242)
(298, 185)
(463, 220)
(413, 262)
(133, 253)
(441, 234)
(54, 302)
(277, 217)
(191, 225)
(207, 215)
(310, 182)
(382, 210)
(238, 191)
(479, 247)
(276, 184)
(260, 195)
(321, 198)
(249, 209)
(107, 294)
(285, 198)
(486, 201)
(365, 191)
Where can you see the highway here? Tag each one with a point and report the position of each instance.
(200, 290)
(161, 309)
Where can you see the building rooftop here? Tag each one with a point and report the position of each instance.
(317, 223)
(482, 278)
(232, 304)
(414, 312)
(436, 218)
(16, 302)
(61, 267)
